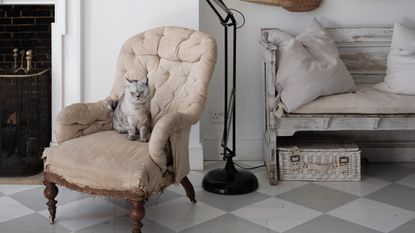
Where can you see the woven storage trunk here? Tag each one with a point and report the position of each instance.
(318, 159)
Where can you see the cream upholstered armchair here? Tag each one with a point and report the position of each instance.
(90, 157)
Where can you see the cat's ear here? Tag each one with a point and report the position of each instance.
(145, 81)
(127, 79)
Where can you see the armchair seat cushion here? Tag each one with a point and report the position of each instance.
(107, 161)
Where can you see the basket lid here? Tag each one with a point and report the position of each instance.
(316, 144)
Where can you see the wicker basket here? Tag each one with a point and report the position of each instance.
(291, 5)
(318, 159)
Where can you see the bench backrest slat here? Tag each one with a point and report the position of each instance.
(363, 50)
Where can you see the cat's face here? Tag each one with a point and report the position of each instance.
(137, 90)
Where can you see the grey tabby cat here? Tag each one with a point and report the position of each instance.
(132, 112)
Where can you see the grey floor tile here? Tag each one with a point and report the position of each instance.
(387, 171)
(228, 224)
(409, 227)
(35, 200)
(317, 197)
(1, 194)
(329, 224)
(122, 224)
(9, 189)
(105, 227)
(230, 202)
(397, 195)
(162, 197)
(150, 226)
(153, 200)
(33, 223)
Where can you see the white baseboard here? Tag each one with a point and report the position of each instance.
(196, 157)
(249, 148)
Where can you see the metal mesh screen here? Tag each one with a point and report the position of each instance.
(25, 123)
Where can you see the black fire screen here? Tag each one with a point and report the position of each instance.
(25, 128)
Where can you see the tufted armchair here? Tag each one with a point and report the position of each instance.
(90, 157)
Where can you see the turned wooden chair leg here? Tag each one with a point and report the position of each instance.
(188, 187)
(51, 191)
(137, 214)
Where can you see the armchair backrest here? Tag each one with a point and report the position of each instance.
(178, 62)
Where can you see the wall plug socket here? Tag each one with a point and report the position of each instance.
(217, 117)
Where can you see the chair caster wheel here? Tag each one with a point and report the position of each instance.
(51, 220)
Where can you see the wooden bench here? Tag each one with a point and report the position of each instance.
(364, 51)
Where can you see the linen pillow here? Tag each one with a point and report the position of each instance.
(309, 67)
(400, 73)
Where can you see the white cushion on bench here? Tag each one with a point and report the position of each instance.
(366, 100)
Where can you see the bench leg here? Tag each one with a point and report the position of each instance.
(271, 158)
(188, 187)
(137, 214)
(51, 191)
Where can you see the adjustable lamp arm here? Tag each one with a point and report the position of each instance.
(228, 180)
(227, 20)
(215, 4)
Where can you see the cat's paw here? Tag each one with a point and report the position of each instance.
(132, 137)
(121, 131)
(144, 140)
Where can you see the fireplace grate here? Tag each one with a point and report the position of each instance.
(25, 128)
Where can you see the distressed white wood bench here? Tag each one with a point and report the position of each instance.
(364, 51)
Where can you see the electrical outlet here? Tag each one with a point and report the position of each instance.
(217, 117)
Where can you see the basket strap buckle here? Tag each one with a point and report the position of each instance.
(343, 161)
(295, 158)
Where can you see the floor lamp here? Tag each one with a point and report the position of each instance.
(228, 180)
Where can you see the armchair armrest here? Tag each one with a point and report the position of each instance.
(82, 119)
(175, 126)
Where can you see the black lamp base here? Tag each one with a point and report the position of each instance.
(229, 180)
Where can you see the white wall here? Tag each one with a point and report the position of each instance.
(108, 23)
(250, 100)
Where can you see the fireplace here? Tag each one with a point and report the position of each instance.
(25, 87)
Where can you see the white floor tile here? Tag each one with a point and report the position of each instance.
(180, 214)
(276, 214)
(86, 212)
(408, 181)
(10, 209)
(11, 189)
(366, 186)
(373, 214)
(282, 187)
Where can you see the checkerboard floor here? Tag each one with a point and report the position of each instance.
(382, 202)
